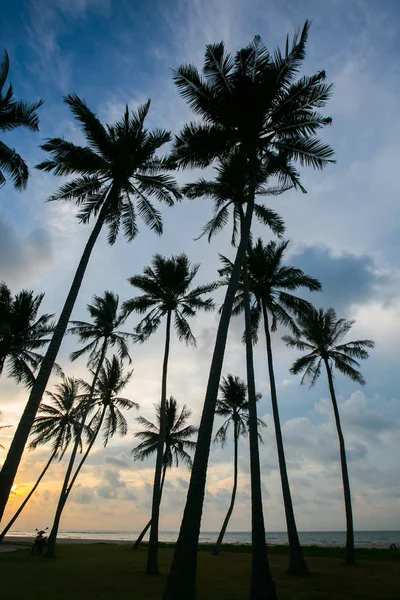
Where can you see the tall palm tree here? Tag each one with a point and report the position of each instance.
(253, 102)
(117, 174)
(230, 190)
(168, 291)
(234, 407)
(177, 432)
(14, 113)
(22, 333)
(107, 420)
(57, 422)
(320, 335)
(98, 336)
(270, 284)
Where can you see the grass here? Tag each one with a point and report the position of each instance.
(104, 571)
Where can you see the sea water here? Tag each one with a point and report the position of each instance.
(362, 539)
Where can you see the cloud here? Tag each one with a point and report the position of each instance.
(22, 259)
(346, 279)
(82, 495)
(121, 461)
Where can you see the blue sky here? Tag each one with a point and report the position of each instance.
(344, 231)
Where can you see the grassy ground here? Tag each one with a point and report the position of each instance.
(111, 572)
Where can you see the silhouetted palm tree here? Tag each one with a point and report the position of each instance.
(176, 443)
(234, 407)
(320, 335)
(58, 422)
(230, 190)
(22, 333)
(253, 103)
(14, 113)
(108, 420)
(98, 336)
(270, 284)
(4, 427)
(167, 287)
(117, 174)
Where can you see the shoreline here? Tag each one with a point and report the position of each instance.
(234, 545)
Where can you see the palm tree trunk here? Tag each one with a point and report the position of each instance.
(262, 586)
(11, 464)
(145, 530)
(181, 583)
(152, 556)
(51, 542)
(350, 552)
(217, 547)
(25, 502)
(297, 564)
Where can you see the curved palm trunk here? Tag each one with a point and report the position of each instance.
(350, 552)
(64, 490)
(51, 542)
(262, 586)
(25, 502)
(145, 530)
(217, 547)
(14, 455)
(181, 583)
(297, 564)
(152, 556)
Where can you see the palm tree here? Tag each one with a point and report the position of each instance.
(108, 420)
(270, 283)
(254, 103)
(22, 333)
(117, 174)
(59, 423)
(14, 113)
(230, 190)
(167, 287)
(234, 407)
(320, 335)
(98, 335)
(177, 443)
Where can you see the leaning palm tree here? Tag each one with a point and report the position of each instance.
(13, 114)
(98, 335)
(116, 176)
(22, 333)
(168, 292)
(320, 335)
(234, 407)
(177, 432)
(107, 420)
(58, 422)
(253, 102)
(270, 286)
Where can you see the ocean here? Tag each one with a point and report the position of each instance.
(363, 539)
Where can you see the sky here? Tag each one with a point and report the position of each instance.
(345, 232)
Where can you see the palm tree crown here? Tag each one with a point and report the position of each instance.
(22, 333)
(320, 334)
(104, 326)
(270, 284)
(14, 113)
(59, 420)
(117, 171)
(233, 406)
(106, 401)
(230, 189)
(167, 287)
(254, 101)
(176, 434)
